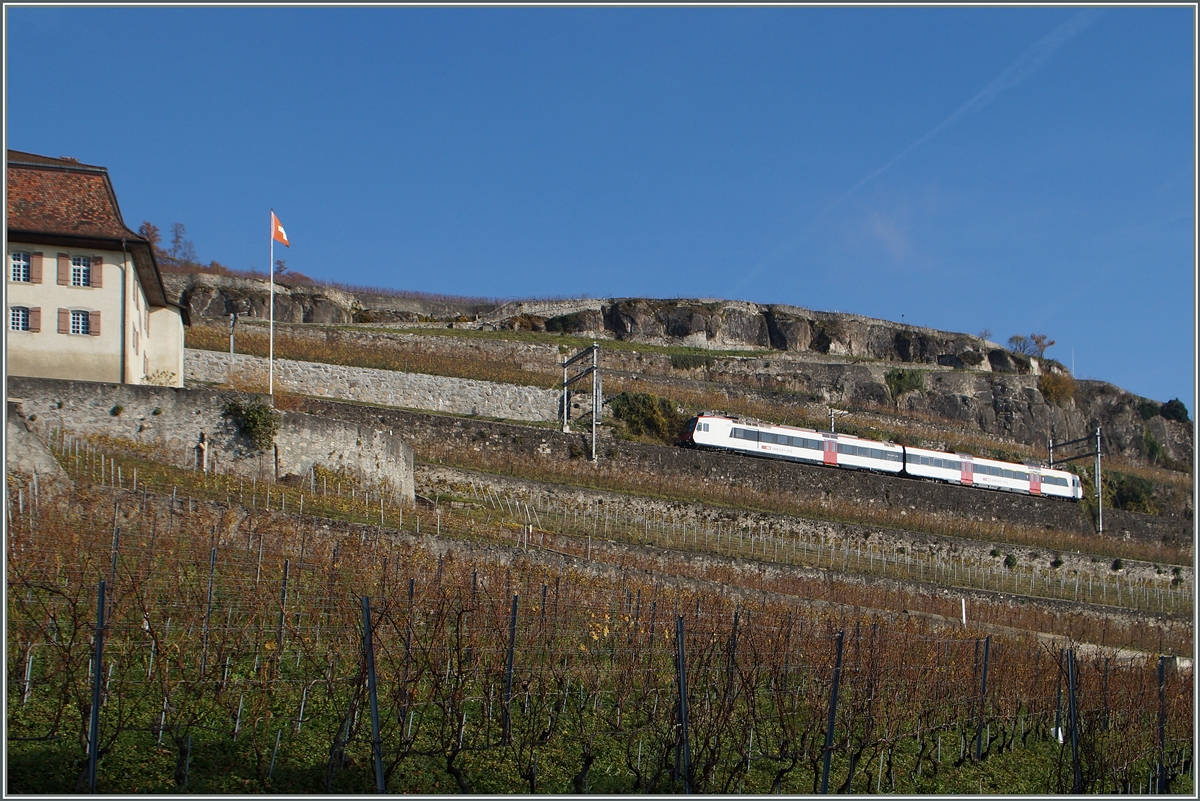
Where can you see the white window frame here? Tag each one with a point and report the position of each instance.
(81, 322)
(18, 318)
(19, 262)
(81, 271)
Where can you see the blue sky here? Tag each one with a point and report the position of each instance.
(1013, 169)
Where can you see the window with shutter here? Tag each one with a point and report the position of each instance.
(18, 318)
(19, 267)
(81, 271)
(80, 322)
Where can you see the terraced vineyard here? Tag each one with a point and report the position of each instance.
(231, 659)
(541, 623)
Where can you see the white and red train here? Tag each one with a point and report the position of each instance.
(842, 450)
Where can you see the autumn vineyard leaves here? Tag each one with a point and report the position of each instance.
(234, 660)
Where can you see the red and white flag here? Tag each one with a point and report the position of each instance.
(277, 231)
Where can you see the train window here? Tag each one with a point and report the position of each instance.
(1020, 476)
(1006, 474)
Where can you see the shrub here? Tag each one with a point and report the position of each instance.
(257, 421)
(1056, 562)
(901, 380)
(157, 411)
(568, 323)
(1118, 564)
(646, 415)
(688, 361)
(1174, 410)
(116, 410)
(1010, 561)
(1131, 493)
(1057, 388)
(995, 552)
(1154, 451)
(1148, 409)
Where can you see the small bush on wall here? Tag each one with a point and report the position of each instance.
(1057, 388)
(256, 420)
(900, 381)
(646, 415)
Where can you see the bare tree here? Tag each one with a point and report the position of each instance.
(150, 232)
(1032, 345)
(183, 251)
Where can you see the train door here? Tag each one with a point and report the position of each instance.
(831, 451)
(1035, 483)
(968, 469)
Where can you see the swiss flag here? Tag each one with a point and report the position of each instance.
(277, 231)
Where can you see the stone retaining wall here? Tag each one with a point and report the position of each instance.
(384, 387)
(168, 421)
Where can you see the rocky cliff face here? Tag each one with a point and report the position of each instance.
(836, 358)
(721, 325)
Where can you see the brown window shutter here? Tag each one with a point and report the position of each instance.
(94, 323)
(64, 269)
(35, 319)
(64, 321)
(35, 268)
(97, 271)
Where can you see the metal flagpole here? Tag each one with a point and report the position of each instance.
(271, 353)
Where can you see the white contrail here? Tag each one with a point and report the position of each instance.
(1025, 66)
(1030, 62)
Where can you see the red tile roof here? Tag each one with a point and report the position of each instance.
(62, 196)
(53, 200)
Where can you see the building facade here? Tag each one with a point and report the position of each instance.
(84, 297)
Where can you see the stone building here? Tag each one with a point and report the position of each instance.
(85, 299)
